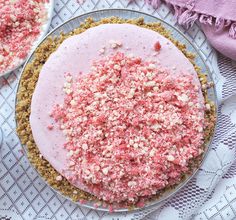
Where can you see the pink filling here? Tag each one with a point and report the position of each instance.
(131, 127)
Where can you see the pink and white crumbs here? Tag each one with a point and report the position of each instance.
(20, 23)
(131, 127)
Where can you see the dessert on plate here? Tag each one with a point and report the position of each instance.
(115, 111)
(22, 24)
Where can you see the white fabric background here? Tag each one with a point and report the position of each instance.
(210, 195)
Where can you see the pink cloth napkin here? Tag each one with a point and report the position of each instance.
(216, 17)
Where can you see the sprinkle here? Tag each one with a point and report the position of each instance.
(73, 102)
(183, 98)
(115, 44)
(155, 88)
(150, 84)
(117, 67)
(85, 146)
(156, 127)
(105, 170)
(208, 107)
(170, 158)
(157, 46)
(131, 93)
(1, 59)
(59, 178)
(152, 66)
(152, 152)
(102, 51)
(50, 127)
(75, 192)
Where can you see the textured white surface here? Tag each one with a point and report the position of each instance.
(23, 195)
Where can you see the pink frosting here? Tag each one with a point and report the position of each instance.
(75, 55)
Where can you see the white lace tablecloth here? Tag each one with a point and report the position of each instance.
(210, 195)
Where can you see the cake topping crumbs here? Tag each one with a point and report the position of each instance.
(115, 44)
(157, 46)
(102, 51)
(20, 26)
(75, 192)
(129, 121)
(50, 127)
(170, 158)
(208, 106)
(59, 178)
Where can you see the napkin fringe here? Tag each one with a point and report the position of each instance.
(187, 17)
(232, 30)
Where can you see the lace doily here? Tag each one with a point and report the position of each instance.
(210, 195)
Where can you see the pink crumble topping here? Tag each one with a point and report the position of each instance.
(131, 127)
(157, 46)
(50, 127)
(20, 22)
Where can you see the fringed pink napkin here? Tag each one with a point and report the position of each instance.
(216, 17)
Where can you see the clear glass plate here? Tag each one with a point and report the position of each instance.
(129, 14)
